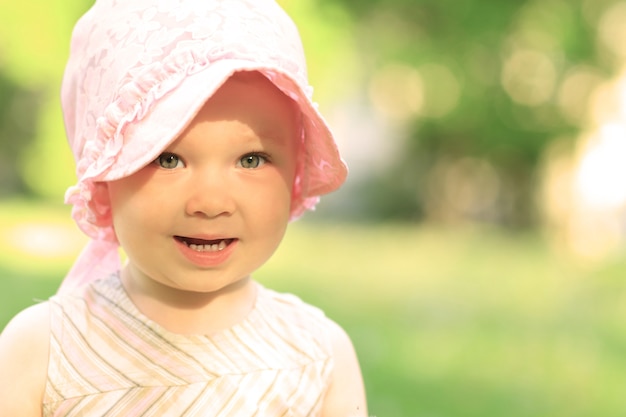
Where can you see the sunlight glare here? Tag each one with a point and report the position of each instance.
(600, 179)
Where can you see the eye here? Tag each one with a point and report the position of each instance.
(169, 160)
(253, 160)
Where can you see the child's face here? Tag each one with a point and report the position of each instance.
(215, 205)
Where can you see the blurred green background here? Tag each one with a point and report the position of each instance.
(476, 253)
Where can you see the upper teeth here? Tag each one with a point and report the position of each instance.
(205, 248)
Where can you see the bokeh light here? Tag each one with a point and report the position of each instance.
(529, 77)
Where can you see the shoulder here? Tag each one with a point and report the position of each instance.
(300, 323)
(24, 347)
(292, 304)
(346, 394)
(293, 313)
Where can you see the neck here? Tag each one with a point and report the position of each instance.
(187, 312)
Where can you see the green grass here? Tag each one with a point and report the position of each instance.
(447, 323)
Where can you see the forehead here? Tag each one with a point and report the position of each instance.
(251, 98)
(247, 111)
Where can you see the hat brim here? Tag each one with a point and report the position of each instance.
(323, 170)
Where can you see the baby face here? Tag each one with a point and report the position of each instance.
(214, 206)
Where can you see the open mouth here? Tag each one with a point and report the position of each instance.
(202, 245)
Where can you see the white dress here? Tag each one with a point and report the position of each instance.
(108, 359)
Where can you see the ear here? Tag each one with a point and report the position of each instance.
(100, 205)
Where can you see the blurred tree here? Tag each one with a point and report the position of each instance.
(480, 79)
(34, 44)
(19, 110)
(475, 91)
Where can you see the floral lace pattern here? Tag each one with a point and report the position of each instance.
(128, 57)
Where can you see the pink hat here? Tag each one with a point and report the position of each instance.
(138, 73)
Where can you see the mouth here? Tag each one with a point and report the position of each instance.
(203, 245)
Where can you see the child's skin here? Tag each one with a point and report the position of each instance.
(227, 178)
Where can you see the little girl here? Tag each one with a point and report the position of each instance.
(196, 142)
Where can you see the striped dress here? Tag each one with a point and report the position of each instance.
(107, 359)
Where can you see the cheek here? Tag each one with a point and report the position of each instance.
(268, 203)
(132, 208)
(288, 171)
(123, 214)
(270, 222)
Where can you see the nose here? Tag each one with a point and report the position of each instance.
(209, 195)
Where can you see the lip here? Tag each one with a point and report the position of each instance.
(206, 259)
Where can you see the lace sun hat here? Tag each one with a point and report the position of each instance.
(138, 73)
